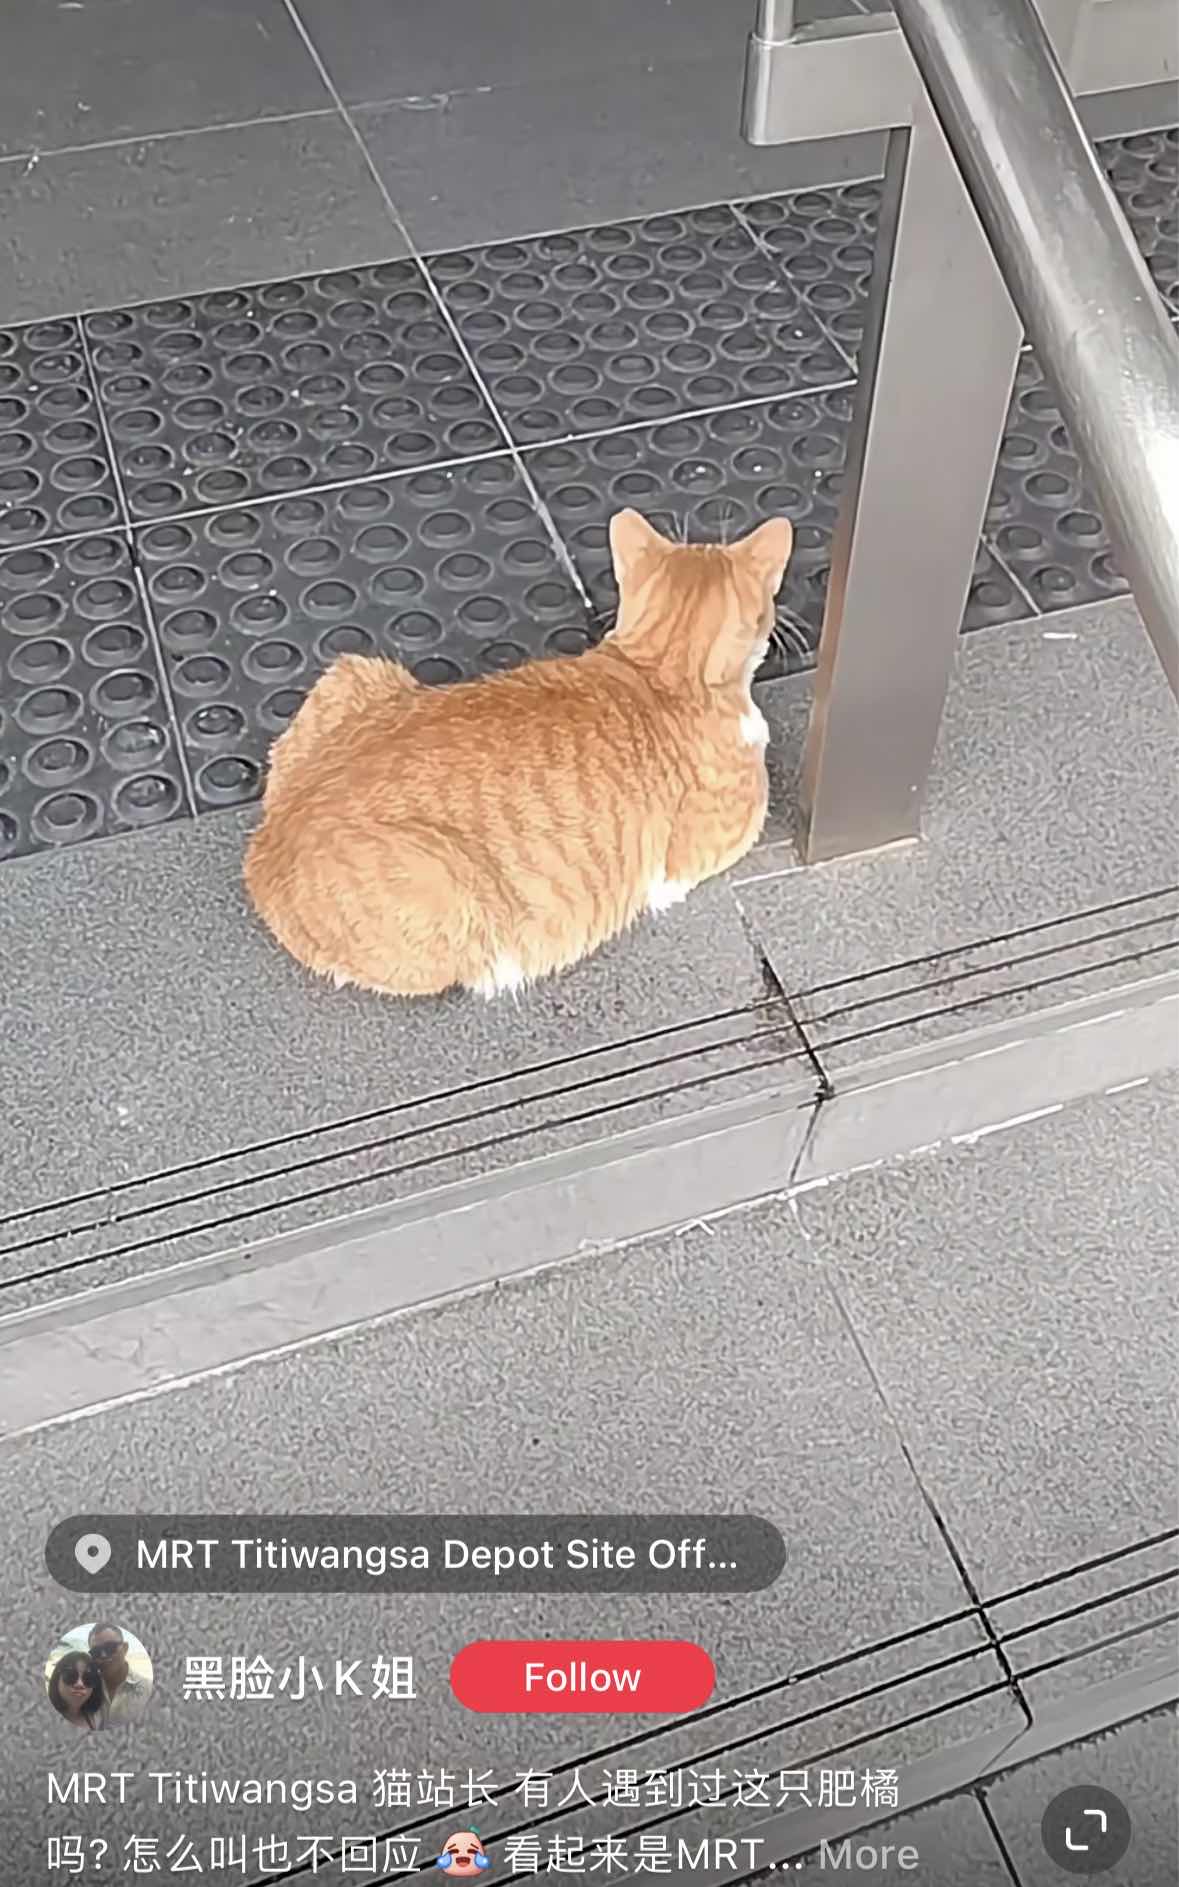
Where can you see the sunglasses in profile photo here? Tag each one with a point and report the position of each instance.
(98, 1677)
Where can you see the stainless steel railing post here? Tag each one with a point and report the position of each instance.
(991, 187)
(1074, 269)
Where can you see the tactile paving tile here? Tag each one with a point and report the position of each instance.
(825, 239)
(55, 474)
(714, 477)
(252, 392)
(85, 741)
(585, 331)
(824, 244)
(450, 571)
(1144, 171)
(1042, 520)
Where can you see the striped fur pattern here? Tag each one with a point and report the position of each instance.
(489, 833)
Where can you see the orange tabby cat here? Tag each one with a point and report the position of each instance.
(490, 832)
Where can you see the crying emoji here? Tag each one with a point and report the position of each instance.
(463, 1856)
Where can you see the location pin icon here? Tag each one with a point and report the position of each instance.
(92, 1552)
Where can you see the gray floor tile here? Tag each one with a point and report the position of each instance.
(436, 49)
(597, 328)
(1039, 806)
(82, 73)
(1016, 1298)
(86, 741)
(252, 392)
(627, 1383)
(551, 156)
(450, 571)
(951, 1846)
(187, 214)
(1137, 1764)
(202, 1038)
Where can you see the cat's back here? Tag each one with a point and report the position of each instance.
(567, 734)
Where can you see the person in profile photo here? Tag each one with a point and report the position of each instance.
(75, 1691)
(126, 1693)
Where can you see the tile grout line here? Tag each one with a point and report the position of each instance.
(764, 250)
(940, 1522)
(137, 576)
(564, 557)
(128, 536)
(103, 424)
(165, 681)
(472, 458)
(35, 154)
(988, 541)
(988, 1815)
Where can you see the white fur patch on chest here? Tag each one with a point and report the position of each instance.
(504, 977)
(663, 892)
(752, 727)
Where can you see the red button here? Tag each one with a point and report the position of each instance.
(651, 1676)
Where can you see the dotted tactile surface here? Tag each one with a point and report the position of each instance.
(1144, 171)
(824, 240)
(251, 392)
(85, 742)
(55, 474)
(582, 332)
(713, 478)
(450, 571)
(312, 466)
(1041, 520)
(824, 244)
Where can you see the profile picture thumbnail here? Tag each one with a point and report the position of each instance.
(99, 1676)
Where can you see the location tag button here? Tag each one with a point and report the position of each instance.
(92, 1552)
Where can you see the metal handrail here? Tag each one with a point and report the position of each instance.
(1074, 270)
(991, 191)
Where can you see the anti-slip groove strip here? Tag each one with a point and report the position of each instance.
(973, 1766)
(494, 1143)
(422, 1164)
(451, 1123)
(993, 969)
(765, 1692)
(1071, 919)
(820, 1758)
(763, 1010)
(980, 1002)
(1084, 1607)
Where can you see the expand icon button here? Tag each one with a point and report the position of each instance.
(639, 1676)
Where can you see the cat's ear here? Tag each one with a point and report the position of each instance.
(766, 551)
(630, 537)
